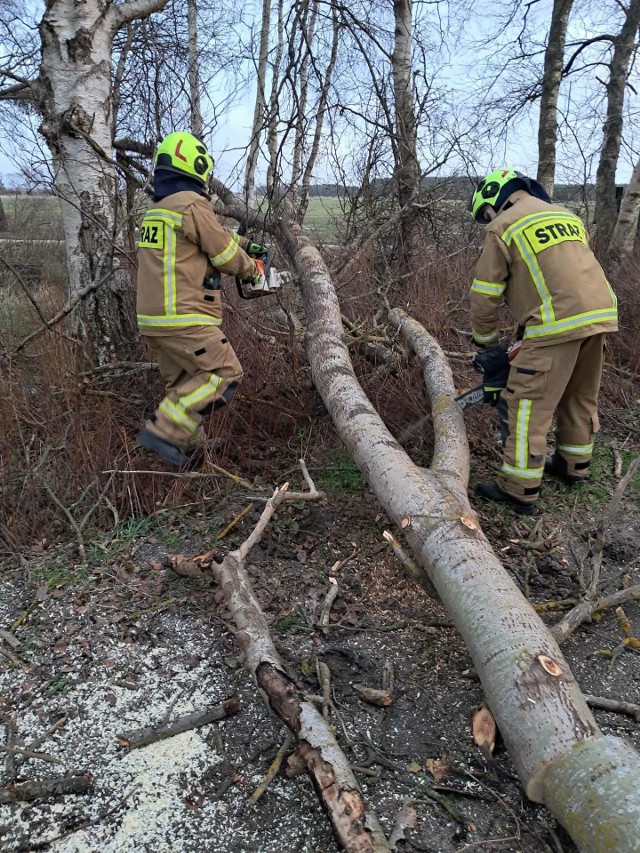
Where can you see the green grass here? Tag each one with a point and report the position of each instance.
(126, 533)
(58, 569)
(324, 217)
(340, 474)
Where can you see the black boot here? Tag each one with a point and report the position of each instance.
(171, 453)
(557, 467)
(493, 492)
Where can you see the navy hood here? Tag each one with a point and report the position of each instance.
(167, 183)
(522, 182)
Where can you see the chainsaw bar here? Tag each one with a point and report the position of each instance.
(470, 398)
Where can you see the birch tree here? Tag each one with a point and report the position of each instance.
(303, 195)
(72, 93)
(551, 78)
(626, 227)
(197, 124)
(259, 107)
(272, 119)
(407, 170)
(623, 46)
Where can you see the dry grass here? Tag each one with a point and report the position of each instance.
(63, 427)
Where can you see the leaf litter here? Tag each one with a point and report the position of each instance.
(147, 646)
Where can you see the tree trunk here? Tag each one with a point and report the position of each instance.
(308, 17)
(303, 201)
(407, 169)
(3, 217)
(197, 124)
(258, 111)
(551, 77)
(606, 209)
(551, 735)
(75, 100)
(626, 228)
(272, 122)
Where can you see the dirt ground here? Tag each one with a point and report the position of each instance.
(124, 642)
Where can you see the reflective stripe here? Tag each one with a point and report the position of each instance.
(169, 267)
(166, 215)
(576, 449)
(487, 287)
(522, 433)
(177, 320)
(177, 414)
(603, 315)
(546, 308)
(549, 325)
(209, 387)
(225, 256)
(524, 474)
(485, 339)
(512, 231)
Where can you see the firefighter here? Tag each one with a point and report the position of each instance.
(537, 260)
(182, 249)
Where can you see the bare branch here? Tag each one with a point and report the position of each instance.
(124, 13)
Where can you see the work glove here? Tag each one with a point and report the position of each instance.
(256, 250)
(493, 363)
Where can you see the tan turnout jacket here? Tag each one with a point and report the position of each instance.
(180, 242)
(536, 258)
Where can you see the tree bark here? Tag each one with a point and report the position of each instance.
(407, 168)
(152, 734)
(544, 719)
(307, 23)
(626, 227)
(75, 100)
(197, 124)
(605, 211)
(551, 78)
(303, 201)
(407, 171)
(318, 752)
(40, 788)
(272, 122)
(258, 110)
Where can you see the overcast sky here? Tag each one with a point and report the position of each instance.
(457, 69)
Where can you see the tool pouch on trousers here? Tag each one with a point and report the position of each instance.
(531, 370)
(493, 363)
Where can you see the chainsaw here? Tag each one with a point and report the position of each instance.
(268, 283)
(494, 365)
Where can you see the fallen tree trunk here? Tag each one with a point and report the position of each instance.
(589, 781)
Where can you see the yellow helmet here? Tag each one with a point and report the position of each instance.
(183, 153)
(495, 189)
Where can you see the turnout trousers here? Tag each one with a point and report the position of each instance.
(559, 378)
(201, 372)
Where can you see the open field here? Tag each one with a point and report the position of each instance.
(38, 217)
(324, 217)
(33, 217)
